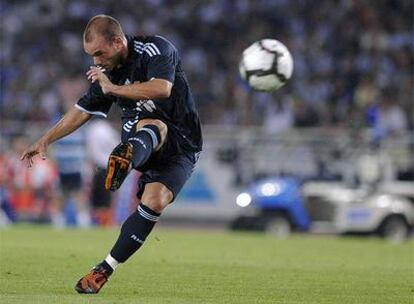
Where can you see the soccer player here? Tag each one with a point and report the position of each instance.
(161, 134)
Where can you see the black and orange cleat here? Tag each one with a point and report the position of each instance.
(119, 165)
(93, 281)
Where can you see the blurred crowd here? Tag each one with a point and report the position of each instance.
(67, 187)
(353, 66)
(353, 59)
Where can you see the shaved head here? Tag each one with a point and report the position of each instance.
(103, 26)
(105, 41)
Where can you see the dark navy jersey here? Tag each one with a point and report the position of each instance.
(151, 57)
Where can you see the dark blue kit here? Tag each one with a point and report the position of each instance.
(155, 57)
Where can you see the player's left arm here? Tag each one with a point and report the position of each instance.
(161, 59)
(152, 89)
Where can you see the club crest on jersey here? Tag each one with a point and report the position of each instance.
(146, 104)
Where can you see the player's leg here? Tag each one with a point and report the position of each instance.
(134, 232)
(150, 135)
(139, 224)
(160, 186)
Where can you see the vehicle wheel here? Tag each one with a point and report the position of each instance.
(278, 226)
(395, 229)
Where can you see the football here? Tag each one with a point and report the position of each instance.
(266, 65)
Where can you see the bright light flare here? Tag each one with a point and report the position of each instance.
(243, 199)
(270, 189)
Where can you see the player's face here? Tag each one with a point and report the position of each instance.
(105, 53)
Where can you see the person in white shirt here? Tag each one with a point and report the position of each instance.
(101, 138)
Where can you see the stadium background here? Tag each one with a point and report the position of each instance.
(346, 115)
(352, 88)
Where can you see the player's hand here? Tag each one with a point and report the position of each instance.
(38, 147)
(97, 74)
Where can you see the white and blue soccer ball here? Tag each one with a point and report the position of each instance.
(266, 65)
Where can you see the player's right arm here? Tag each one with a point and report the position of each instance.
(70, 122)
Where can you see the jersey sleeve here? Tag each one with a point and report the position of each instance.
(161, 58)
(95, 102)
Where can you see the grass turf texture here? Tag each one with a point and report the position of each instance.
(41, 265)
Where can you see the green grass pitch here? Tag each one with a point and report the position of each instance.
(41, 265)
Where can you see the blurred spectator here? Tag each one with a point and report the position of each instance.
(7, 213)
(366, 93)
(70, 155)
(305, 115)
(387, 117)
(101, 139)
(279, 116)
(32, 190)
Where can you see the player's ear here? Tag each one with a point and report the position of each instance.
(117, 42)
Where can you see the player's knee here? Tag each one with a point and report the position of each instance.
(161, 128)
(157, 200)
(155, 203)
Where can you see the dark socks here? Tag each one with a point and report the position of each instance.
(134, 231)
(144, 142)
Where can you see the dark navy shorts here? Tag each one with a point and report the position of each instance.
(172, 174)
(169, 166)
